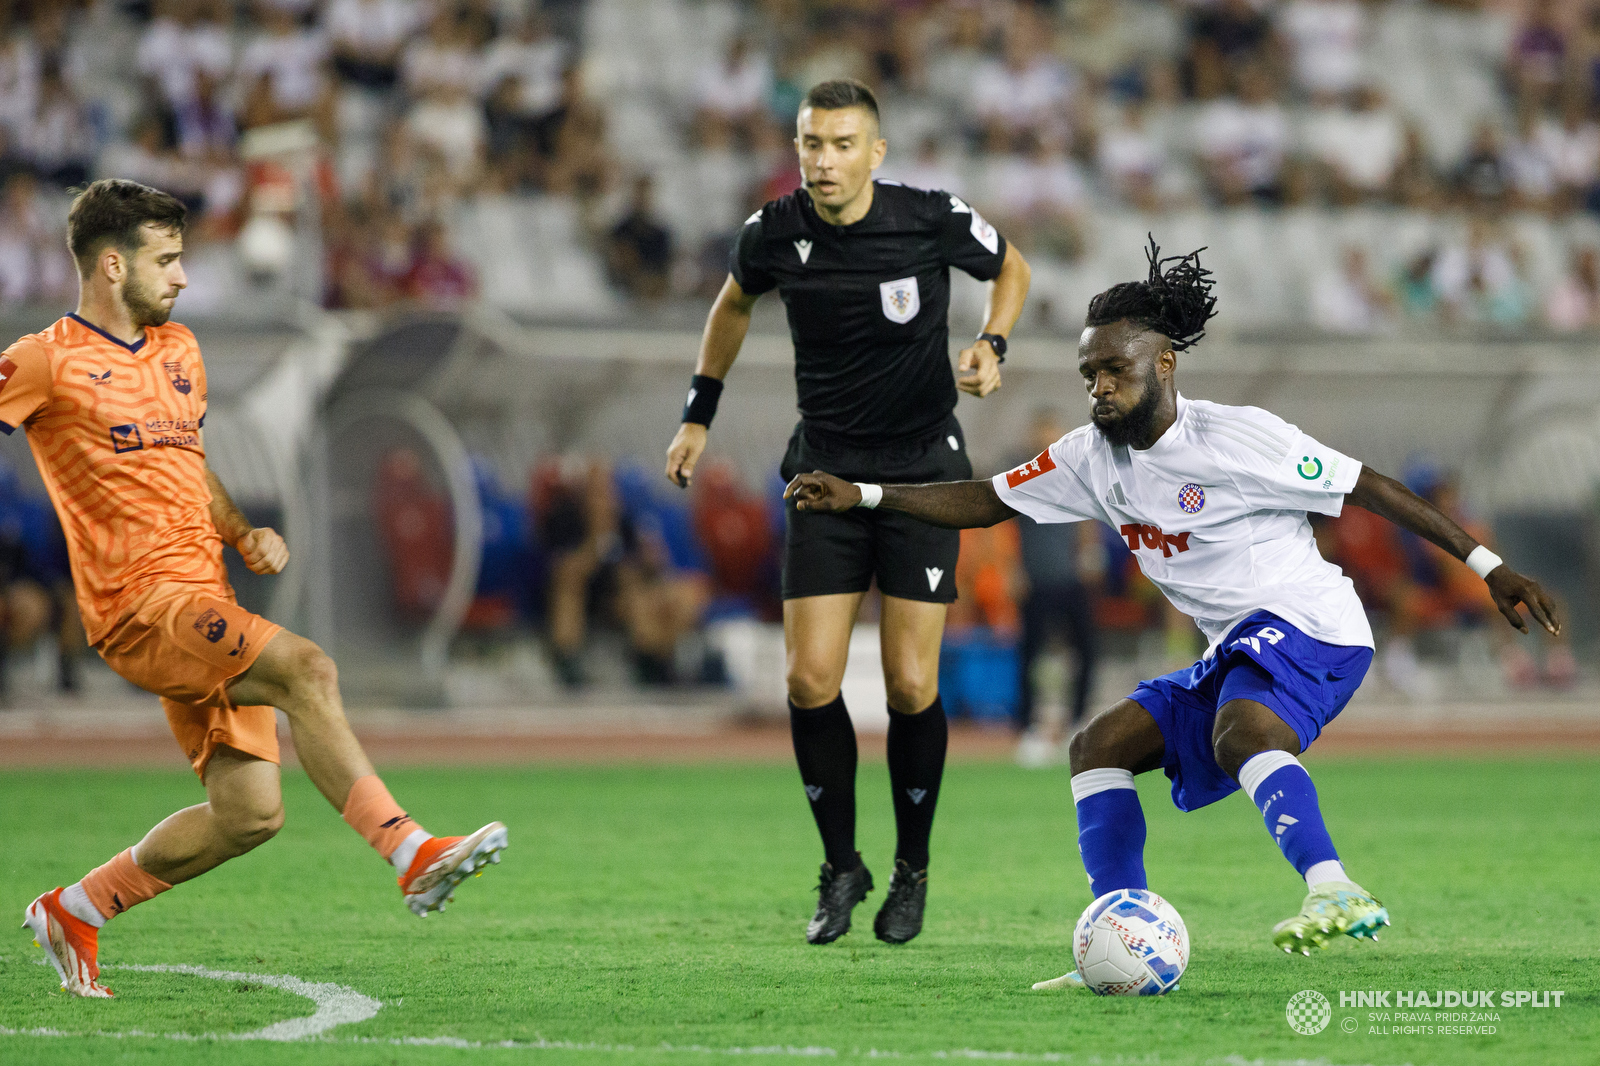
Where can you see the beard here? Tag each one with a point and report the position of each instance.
(143, 310)
(1134, 426)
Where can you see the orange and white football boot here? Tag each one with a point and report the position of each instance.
(70, 944)
(442, 863)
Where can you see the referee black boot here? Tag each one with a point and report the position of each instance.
(900, 917)
(838, 895)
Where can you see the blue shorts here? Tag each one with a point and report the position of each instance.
(1265, 659)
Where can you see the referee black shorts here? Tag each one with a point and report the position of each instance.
(825, 554)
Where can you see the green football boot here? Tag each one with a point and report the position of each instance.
(1334, 908)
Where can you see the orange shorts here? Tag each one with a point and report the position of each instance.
(185, 646)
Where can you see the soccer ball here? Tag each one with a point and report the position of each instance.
(1130, 942)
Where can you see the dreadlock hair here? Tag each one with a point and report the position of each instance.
(1175, 302)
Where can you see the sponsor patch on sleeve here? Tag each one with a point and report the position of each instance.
(1041, 464)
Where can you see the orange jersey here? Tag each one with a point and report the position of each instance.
(115, 429)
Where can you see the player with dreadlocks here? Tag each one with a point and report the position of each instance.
(1212, 501)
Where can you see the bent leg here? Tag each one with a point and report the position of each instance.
(1105, 755)
(1258, 749)
(816, 635)
(243, 810)
(910, 634)
(295, 675)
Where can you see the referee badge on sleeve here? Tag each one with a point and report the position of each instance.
(901, 300)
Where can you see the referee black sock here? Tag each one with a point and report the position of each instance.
(825, 748)
(917, 745)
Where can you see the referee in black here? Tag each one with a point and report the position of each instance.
(863, 269)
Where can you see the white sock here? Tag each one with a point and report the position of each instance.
(1328, 870)
(75, 901)
(402, 857)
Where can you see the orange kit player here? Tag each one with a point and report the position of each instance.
(114, 401)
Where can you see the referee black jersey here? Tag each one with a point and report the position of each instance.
(868, 305)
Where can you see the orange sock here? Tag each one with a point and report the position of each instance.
(120, 884)
(373, 813)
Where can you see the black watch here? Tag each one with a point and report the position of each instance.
(997, 342)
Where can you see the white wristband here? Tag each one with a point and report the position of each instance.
(1482, 560)
(871, 495)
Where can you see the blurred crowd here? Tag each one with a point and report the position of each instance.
(587, 553)
(581, 548)
(1042, 113)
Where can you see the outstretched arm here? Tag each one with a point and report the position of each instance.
(726, 327)
(263, 551)
(1389, 499)
(951, 504)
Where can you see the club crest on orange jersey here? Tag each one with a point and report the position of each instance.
(211, 625)
(176, 376)
(8, 370)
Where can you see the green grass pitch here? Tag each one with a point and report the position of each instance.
(656, 914)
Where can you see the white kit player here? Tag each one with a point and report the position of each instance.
(1212, 501)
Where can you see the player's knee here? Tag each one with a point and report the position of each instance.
(251, 826)
(810, 685)
(1083, 751)
(1235, 745)
(910, 689)
(315, 674)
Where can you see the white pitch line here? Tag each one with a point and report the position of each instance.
(339, 1005)
(336, 1004)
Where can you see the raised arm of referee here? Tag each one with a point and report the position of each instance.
(864, 271)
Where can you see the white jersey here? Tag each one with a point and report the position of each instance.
(1215, 512)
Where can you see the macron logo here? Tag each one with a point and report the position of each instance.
(935, 575)
(813, 792)
(917, 794)
(804, 248)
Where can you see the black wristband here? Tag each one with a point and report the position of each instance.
(701, 406)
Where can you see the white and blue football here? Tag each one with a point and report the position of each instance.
(1131, 942)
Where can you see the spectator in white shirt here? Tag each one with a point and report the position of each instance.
(522, 69)
(57, 138)
(1572, 145)
(366, 37)
(1040, 196)
(1325, 40)
(450, 121)
(1243, 140)
(291, 59)
(441, 59)
(733, 93)
(1026, 93)
(34, 265)
(1131, 158)
(1349, 301)
(19, 76)
(1574, 304)
(1480, 280)
(522, 87)
(1530, 165)
(1360, 146)
(185, 38)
